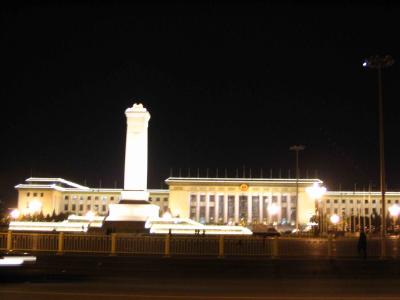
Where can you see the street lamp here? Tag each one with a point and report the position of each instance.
(379, 62)
(297, 148)
(15, 213)
(90, 215)
(273, 209)
(316, 192)
(334, 220)
(394, 211)
(35, 206)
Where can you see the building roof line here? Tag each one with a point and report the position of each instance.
(60, 180)
(241, 180)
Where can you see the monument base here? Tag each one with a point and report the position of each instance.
(131, 211)
(125, 227)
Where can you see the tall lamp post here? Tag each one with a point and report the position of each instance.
(379, 62)
(316, 192)
(394, 211)
(297, 149)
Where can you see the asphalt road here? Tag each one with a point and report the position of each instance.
(93, 277)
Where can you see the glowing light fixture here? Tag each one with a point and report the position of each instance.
(394, 210)
(90, 215)
(334, 219)
(35, 206)
(273, 209)
(167, 215)
(15, 214)
(315, 191)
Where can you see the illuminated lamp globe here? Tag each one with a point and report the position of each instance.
(15, 214)
(35, 206)
(167, 215)
(90, 215)
(334, 219)
(315, 191)
(273, 209)
(394, 210)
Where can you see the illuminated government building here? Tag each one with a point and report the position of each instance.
(206, 200)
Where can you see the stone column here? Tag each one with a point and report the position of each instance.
(135, 179)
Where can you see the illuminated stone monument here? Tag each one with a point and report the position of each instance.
(134, 205)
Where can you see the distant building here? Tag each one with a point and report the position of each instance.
(60, 195)
(205, 200)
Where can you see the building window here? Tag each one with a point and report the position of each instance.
(66, 197)
(358, 201)
(220, 208)
(293, 200)
(389, 201)
(73, 207)
(274, 199)
(265, 207)
(211, 209)
(335, 201)
(343, 201)
(373, 201)
(243, 212)
(88, 207)
(193, 206)
(66, 207)
(284, 199)
(80, 207)
(34, 194)
(112, 198)
(150, 199)
(104, 207)
(328, 201)
(28, 194)
(96, 198)
(366, 201)
(351, 201)
(89, 197)
(335, 210)
(202, 214)
(255, 208)
(96, 207)
(283, 214)
(397, 201)
(366, 210)
(80, 197)
(231, 208)
(41, 194)
(158, 199)
(165, 199)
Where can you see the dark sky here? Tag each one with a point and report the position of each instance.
(227, 86)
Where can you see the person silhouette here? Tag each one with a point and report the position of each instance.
(362, 244)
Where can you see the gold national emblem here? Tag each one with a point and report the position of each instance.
(244, 187)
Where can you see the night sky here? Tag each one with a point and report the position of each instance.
(227, 86)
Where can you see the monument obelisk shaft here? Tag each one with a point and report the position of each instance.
(133, 205)
(135, 179)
